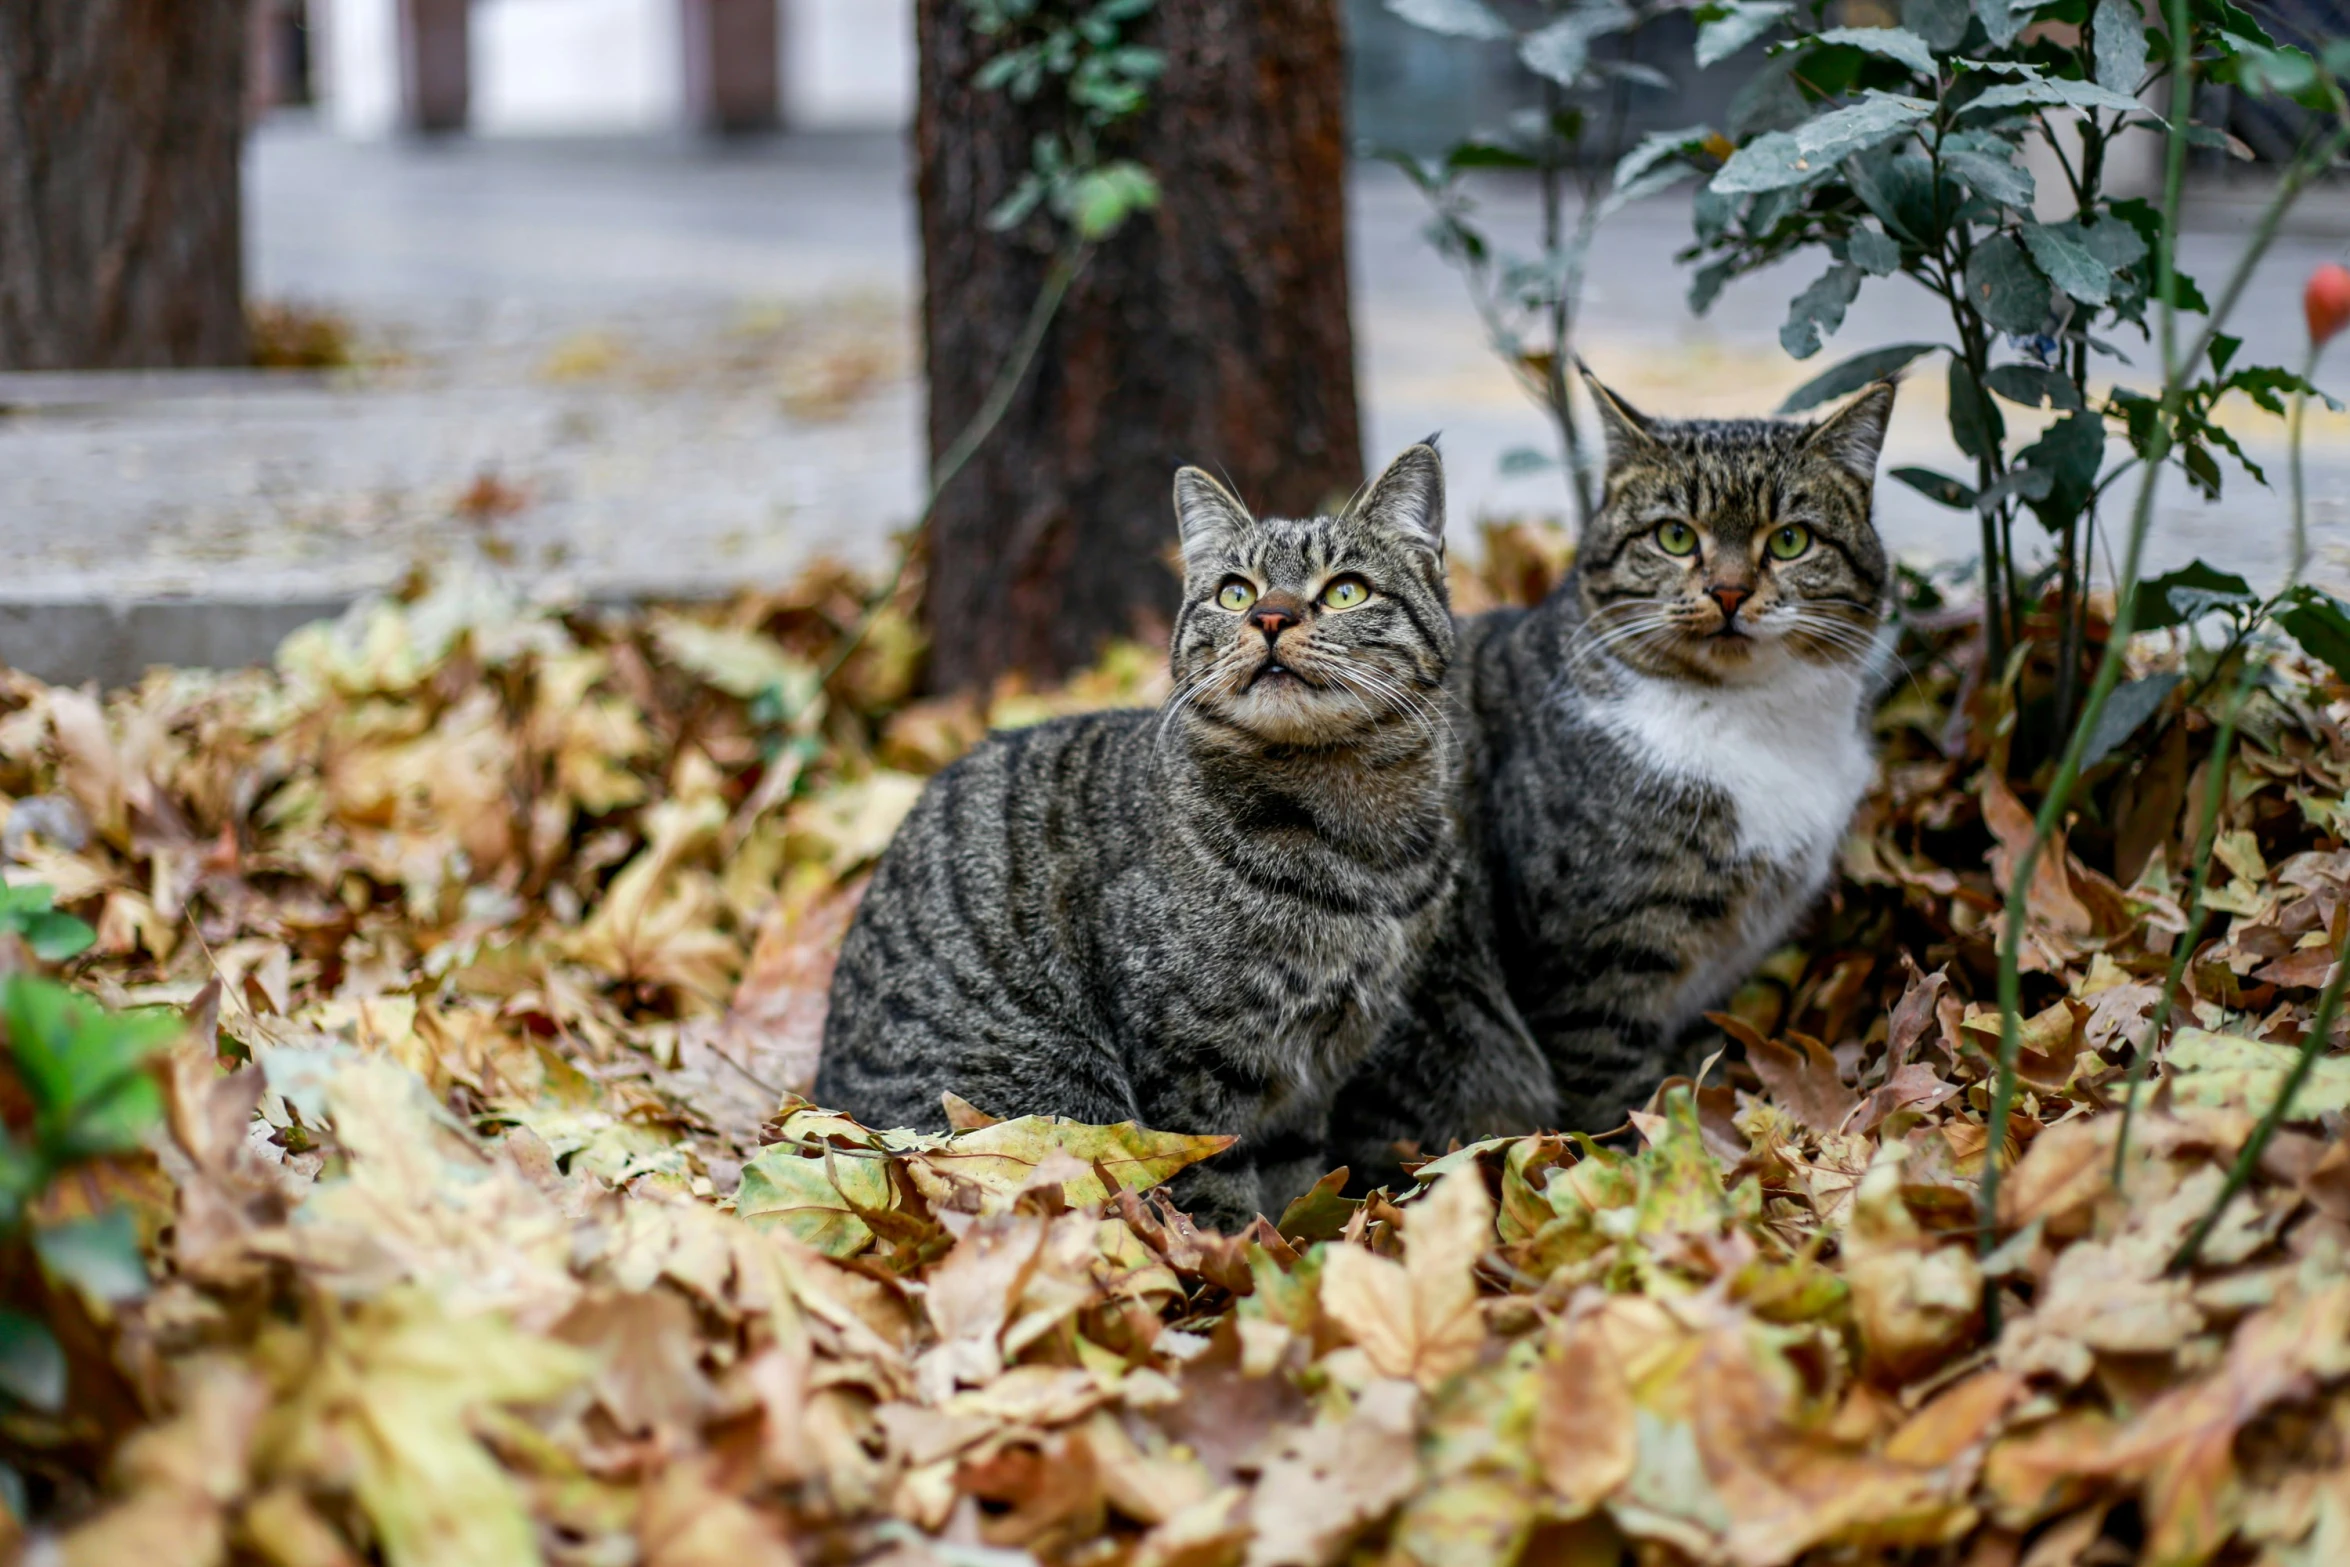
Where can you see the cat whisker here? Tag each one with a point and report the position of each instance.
(1423, 710)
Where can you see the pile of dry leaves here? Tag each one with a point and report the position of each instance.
(481, 1225)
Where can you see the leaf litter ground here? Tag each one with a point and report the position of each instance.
(484, 1225)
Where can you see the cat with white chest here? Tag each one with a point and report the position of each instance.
(1659, 763)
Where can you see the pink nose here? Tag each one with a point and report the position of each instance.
(1271, 619)
(1729, 599)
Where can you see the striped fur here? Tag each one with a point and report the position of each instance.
(1651, 802)
(1197, 918)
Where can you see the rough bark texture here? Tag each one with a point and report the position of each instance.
(120, 127)
(1212, 331)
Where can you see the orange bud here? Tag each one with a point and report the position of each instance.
(2327, 301)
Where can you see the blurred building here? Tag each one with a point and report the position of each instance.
(555, 67)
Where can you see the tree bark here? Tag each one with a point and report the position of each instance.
(121, 123)
(1213, 330)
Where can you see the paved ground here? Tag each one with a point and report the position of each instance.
(643, 367)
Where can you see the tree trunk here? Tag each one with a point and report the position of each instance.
(121, 123)
(1213, 330)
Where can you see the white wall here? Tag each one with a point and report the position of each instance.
(848, 64)
(550, 67)
(357, 64)
(545, 67)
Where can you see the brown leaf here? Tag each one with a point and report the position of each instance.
(1804, 1082)
(1585, 1437)
(1418, 1318)
(1324, 1484)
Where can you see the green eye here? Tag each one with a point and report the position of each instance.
(1345, 592)
(1236, 595)
(1677, 538)
(1790, 542)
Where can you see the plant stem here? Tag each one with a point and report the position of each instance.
(2321, 1024)
(1562, 408)
(2330, 998)
(2198, 912)
(2060, 789)
(1049, 295)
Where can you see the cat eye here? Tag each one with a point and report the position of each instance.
(1676, 538)
(1345, 592)
(1235, 595)
(1790, 541)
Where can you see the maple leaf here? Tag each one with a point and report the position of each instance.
(1418, 1318)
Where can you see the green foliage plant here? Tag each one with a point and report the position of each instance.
(81, 1093)
(1900, 151)
(1531, 305)
(1081, 54)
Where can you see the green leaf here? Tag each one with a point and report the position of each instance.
(55, 937)
(82, 1067)
(1999, 20)
(2069, 452)
(1819, 310)
(1777, 160)
(1455, 18)
(1654, 148)
(1940, 488)
(2317, 621)
(2188, 593)
(1487, 155)
(2059, 91)
(1526, 459)
(2033, 386)
(2004, 288)
(1974, 419)
(1894, 43)
(2068, 262)
(1321, 1213)
(99, 1256)
(1898, 186)
(1874, 252)
(1104, 198)
(2127, 707)
(1562, 50)
(1941, 23)
(2118, 34)
(30, 912)
(1852, 375)
(32, 1366)
(1993, 178)
(815, 1200)
(1728, 26)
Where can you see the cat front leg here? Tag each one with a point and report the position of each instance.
(1603, 1067)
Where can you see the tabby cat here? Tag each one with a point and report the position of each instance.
(1198, 918)
(1660, 761)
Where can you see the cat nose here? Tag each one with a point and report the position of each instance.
(1272, 619)
(1729, 599)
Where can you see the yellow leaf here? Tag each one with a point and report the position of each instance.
(2227, 1072)
(383, 1401)
(1418, 1318)
(814, 1199)
(1003, 1158)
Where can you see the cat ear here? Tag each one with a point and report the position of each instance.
(1408, 499)
(1855, 433)
(1206, 513)
(1626, 427)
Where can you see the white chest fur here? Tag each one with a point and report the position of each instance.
(1787, 751)
(1790, 756)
